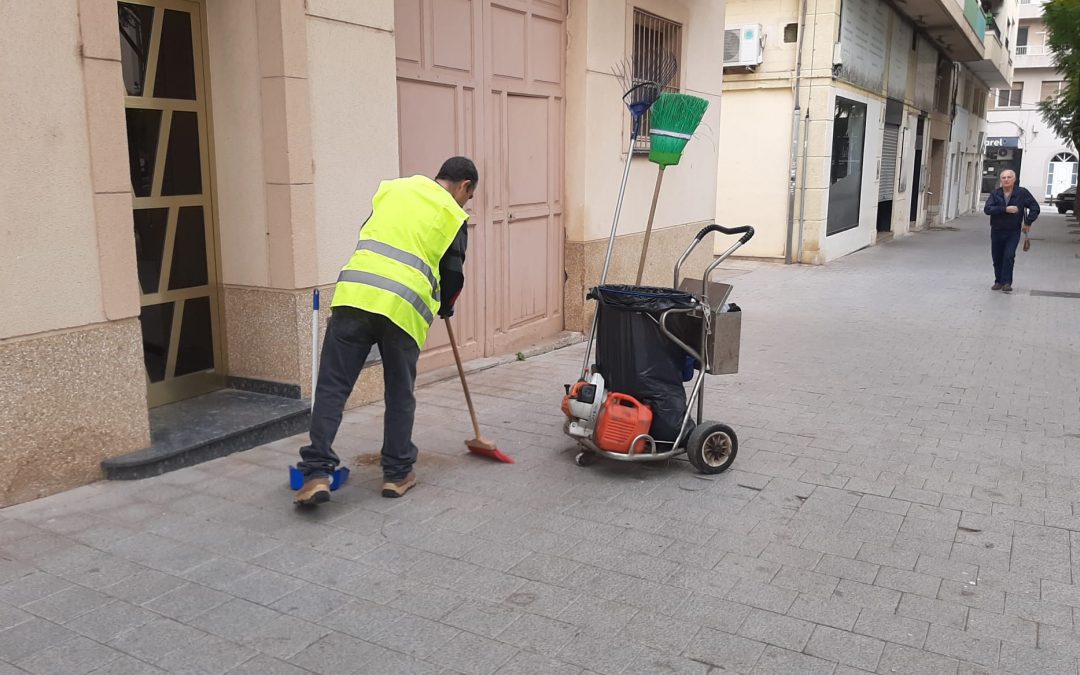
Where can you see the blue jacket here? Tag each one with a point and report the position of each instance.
(1020, 198)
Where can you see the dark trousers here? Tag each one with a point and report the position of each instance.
(1003, 243)
(349, 337)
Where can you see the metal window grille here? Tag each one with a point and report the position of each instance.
(654, 36)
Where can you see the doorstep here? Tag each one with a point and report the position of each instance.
(207, 427)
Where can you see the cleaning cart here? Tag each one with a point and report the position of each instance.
(632, 404)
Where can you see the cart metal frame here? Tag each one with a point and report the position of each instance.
(706, 310)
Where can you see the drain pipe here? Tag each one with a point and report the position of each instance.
(796, 120)
(802, 187)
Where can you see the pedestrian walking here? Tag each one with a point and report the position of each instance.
(1011, 209)
(407, 267)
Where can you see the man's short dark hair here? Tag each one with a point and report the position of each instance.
(457, 169)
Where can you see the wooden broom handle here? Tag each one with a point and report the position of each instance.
(648, 226)
(461, 374)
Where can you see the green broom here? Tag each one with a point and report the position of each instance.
(674, 118)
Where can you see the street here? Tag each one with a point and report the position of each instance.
(904, 500)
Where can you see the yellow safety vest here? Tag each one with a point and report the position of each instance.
(395, 268)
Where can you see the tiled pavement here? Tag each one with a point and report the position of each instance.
(904, 501)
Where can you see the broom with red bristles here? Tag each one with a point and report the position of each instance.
(479, 445)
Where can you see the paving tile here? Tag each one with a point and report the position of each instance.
(361, 618)
(67, 604)
(111, 620)
(776, 629)
(973, 595)
(209, 656)
(186, 602)
(803, 581)
(607, 655)
(763, 596)
(143, 586)
(652, 596)
(1060, 639)
(496, 555)
(946, 569)
(607, 617)
(525, 663)
(891, 628)
(858, 651)
(935, 611)
(469, 653)
(847, 568)
(73, 657)
(1019, 659)
(888, 556)
(875, 597)
(831, 611)
(903, 660)
(776, 661)
(966, 646)
(1012, 629)
(24, 590)
(334, 653)
(30, 637)
(311, 603)
(153, 641)
(413, 635)
(1038, 611)
(267, 665)
(725, 651)
(127, 665)
(483, 618)
(908, 582)
(538, 634)
(544, 568)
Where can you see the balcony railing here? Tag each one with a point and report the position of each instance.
(973, 12)
(1031, 50)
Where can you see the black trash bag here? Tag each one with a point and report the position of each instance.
(635, 358)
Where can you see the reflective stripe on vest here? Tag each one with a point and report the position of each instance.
(414, 261)
(391, 286)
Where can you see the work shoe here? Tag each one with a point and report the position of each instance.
(996, 287)
(315, 491)
(1007, 288)
(396, 488)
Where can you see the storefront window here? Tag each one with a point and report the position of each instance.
(845, 182)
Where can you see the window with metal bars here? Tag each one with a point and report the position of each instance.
(653, 36)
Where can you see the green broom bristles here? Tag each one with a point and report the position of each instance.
(674, 118)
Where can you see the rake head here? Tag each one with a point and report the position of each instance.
(644, 77)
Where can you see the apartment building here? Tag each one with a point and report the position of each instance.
(1017, 137)
(848, 122)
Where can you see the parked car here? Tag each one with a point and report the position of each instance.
(1065, 200)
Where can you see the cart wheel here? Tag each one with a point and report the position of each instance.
(712, 447)
(584, 458)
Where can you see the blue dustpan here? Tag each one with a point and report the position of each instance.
(296, 477)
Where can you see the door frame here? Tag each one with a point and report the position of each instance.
(194, 384)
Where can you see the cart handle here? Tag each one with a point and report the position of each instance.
(746, 231)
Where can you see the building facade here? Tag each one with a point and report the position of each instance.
(181, 175)
(1017, 136)
(884, 104)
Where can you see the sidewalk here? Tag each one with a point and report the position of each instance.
(904, 501)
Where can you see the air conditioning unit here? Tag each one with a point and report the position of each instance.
(744, 45)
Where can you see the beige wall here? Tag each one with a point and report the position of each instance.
(598, 123)
(353, 91)
(52, 197)
(760, 197)
(236, 107)
(70, 350)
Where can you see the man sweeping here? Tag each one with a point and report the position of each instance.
(408, 266)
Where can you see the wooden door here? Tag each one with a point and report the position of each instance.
(484, 78)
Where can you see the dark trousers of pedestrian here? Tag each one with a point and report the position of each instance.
(350, 335)
(1003, 243)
